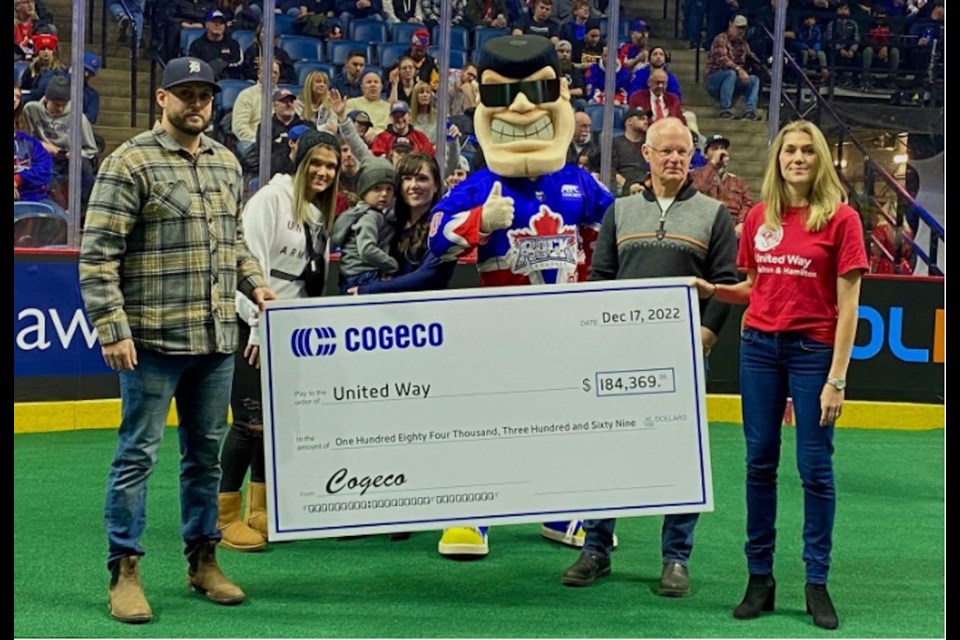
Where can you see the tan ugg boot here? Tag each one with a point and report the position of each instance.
(206, 577)
(236, 534)
(256, 516)
(126, 598)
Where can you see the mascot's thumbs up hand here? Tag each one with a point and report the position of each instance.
(497, 210)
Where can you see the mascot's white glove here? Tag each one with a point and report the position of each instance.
(497, 210)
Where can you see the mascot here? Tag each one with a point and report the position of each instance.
(532, 218)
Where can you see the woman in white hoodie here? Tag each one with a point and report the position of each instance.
(277, 222)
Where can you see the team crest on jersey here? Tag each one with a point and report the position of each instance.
(546, 243)
(767, 238)
(571, 191)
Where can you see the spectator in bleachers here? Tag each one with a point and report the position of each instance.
(727, 74)
(918, 8)
(883, 249)
(49, 119)
(349, 168)
(423, 111)
(634, 53)
(878, 44)
(403, 77)
(693, 14)
(347, 82)
(91, 97)
(658, 60)
(428, 69)
(591, 51)
(714, 180)
(431, 12)
(183, 14)
(372, 102)
(539, 22)
(400, 127)
(843, 40)
(459, 174)
(574, 76)
(28, 22)
(284, 119)
(582, 142)
(808, 44)
(464, 91)
(719, 14)
(314, 102)
(574, 28)
(927, 31)
(487, 13)
(32, 164)
(325, 8)
(629, 167)
(359, 9)
(216, 48)
(361, 122)
(656, 99)
(124, 21)
(46, 62)
(395, 11)
(245, 116)
(594, 78)
(250, 66)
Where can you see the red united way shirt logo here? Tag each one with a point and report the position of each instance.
(766, 238)
(545, 243)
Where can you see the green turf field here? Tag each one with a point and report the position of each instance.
(887, 579)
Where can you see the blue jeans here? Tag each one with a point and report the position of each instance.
(135, 7)
(693, 20)
(725, 86)
(201, 384)
(676, 537)
(774, 366)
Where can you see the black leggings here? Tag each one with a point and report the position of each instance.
(243, 447)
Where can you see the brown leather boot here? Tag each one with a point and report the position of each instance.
(205, 577)
(236, 534)
(126, 599)
(256, 516)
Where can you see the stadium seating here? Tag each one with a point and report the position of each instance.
(18, 70)
(305, 68)
(482, 34)
(459, 37)
(302, 47)
(229, 90)
(389, 52)
(403, 31)
(187, 36)
(458, 57)
(338, 50)
(370, 31)
(244, 38)
(283, 24)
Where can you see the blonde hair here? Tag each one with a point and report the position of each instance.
(325, 201)
(826, 192)
(308, 110)
(415, 108)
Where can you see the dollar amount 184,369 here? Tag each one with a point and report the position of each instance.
(619, 383)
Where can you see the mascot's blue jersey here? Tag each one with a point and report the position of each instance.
(555, 224)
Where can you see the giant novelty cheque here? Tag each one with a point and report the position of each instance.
(420, 411)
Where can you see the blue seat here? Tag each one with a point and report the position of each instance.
(283, 24)
(366, 30)
(403, 31)
(458, 57)
(187, 36)
(618, 113)
(302, 47)
(482, 34)
(38, 224)
(623, 33)
(305, 68)
(18, 70)
(459, 37)
(244, 38)
(338, 50)
(389, 53)
(229, 90)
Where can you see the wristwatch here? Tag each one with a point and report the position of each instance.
(839, 383)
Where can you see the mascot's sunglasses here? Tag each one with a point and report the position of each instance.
(536, 91)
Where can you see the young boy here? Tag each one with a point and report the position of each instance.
(364, 232)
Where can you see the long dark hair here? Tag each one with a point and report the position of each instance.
(412, 243)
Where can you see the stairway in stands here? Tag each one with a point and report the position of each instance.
(748, 140)
(113, 81)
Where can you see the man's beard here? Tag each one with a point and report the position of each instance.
(180, 124)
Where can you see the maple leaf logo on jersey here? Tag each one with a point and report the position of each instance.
(546, 243)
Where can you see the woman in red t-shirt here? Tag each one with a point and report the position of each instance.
(803, 252)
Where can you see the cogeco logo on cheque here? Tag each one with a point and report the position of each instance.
(322, 341)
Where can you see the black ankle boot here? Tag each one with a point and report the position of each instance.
(820, 606)
(761, 590)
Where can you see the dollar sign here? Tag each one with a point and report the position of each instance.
(586, 384)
